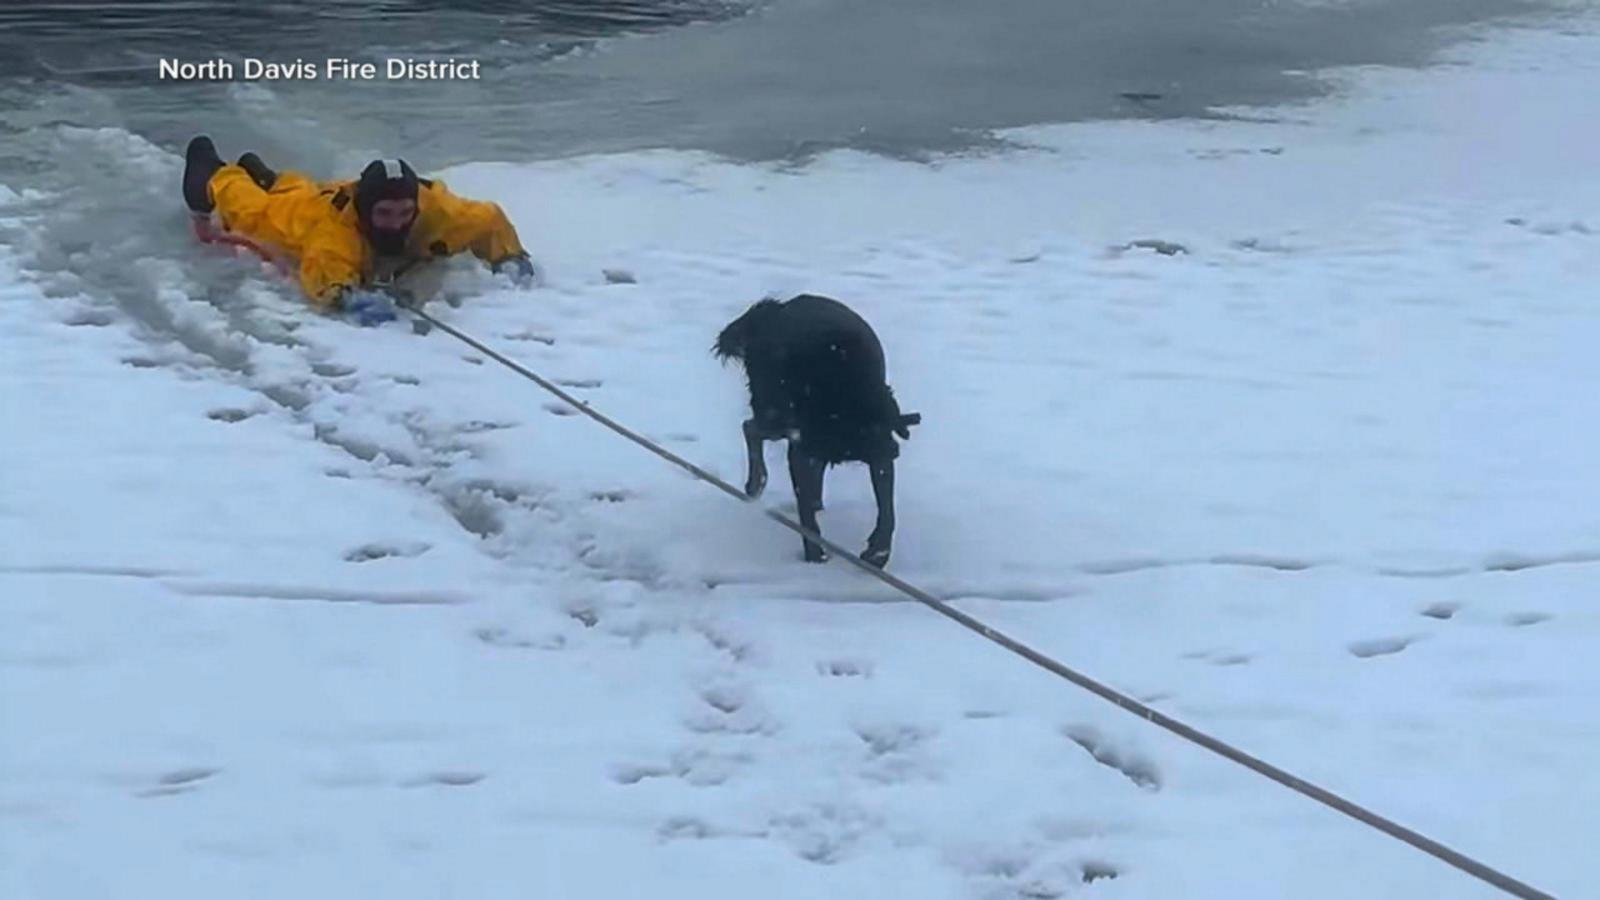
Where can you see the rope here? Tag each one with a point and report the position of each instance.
(1427, 845)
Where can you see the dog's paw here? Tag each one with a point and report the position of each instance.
(875, 556)
(815, 554)
(754, 487)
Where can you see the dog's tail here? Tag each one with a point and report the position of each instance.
(735, 338)
(902, 426)
(900, 423)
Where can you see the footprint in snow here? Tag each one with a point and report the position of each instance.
(178, 781)
(1550, 229)
(370, 552)
(696, 767)
(890, 770)
(478, 426)
(1518, 620)
(633, 773)
(445, 779)
(1441, 611)
(883, 738)
(559, 409)
(738, 649)
(727, 710)
(1134, 766)
(1218, 658)
(1123, 566)
(502, 637)
(1094, 870)
(1379, 646)
(1258, 561)
(724, 698)
(1165, 248)
(1021, 873)
(229, 415)
(1049, 888)
(679, 828)
(188, 776)
(825, 833)
(897, 752)
(845, 668)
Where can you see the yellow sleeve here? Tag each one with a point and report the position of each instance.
(333, 257)
(453, 224)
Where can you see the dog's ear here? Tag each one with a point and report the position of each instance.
(734, 340)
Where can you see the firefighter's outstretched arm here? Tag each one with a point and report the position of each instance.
(456, 225)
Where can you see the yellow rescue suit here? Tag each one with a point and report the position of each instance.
(316, 223)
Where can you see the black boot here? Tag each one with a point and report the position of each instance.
(200, 162)
(259, 173)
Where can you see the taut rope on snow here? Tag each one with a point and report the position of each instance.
(1394, 829)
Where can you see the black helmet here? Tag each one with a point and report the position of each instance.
(384, 179)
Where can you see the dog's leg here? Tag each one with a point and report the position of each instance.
(805, 472)
(756, 478)
(882, 537)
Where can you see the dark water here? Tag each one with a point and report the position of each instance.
(84, 116)
(902, 76)
(96, 64)
(758, 79)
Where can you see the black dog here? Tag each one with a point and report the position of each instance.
(816, 376)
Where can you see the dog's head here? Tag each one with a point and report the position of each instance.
(733, 342)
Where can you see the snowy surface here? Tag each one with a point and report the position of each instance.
(292, 609)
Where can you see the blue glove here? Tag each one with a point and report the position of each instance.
(520, 268)
(368, 308)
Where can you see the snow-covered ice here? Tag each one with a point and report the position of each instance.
(292, 609)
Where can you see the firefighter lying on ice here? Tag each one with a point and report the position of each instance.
(348, 236)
